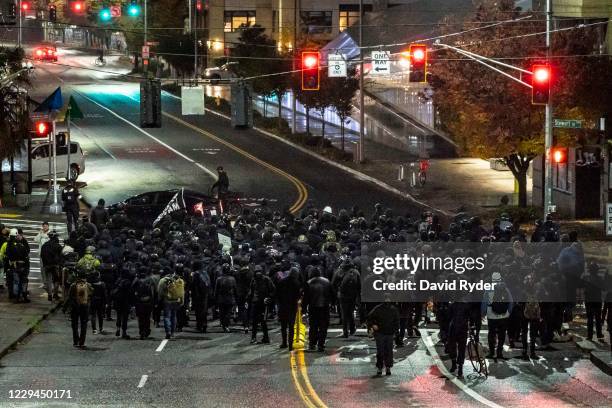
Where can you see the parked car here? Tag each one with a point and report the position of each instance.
(40, 161)
(144, 208)
(45, 52)
(215, 74)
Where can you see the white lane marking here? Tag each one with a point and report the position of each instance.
(161, 345)
(105, 150)
(462, 386)
(143, 381)
(190, 160)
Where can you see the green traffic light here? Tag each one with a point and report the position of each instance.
(134, 10)
(105, 14)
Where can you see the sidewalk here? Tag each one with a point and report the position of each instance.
(18, 321)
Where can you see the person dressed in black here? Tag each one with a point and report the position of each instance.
(51, 257)
(200, 288)
(457, 334)
(99, 215)
(122, 301)
(318, 296)
(98, 302)
(70, 199)
(288, 294)
(144, 293)
(222, 183)
(78, 300)
(17, 255)
(383, 322)
(259, 298)
(225, 296)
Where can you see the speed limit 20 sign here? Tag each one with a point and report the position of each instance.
(336, 65)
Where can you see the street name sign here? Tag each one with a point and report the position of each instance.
(336, 65)
(381, 63)
(567, 123)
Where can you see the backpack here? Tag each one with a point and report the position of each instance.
(144, 291)
(532, 311)
(500, 304)
(82, 293)
(348, 286)
(175, 289)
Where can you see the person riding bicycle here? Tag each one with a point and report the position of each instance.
(222, 183)
(423, 165)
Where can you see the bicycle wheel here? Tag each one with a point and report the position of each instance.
(473, 355)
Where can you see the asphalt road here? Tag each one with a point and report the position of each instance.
(223, 370)
(123, 159)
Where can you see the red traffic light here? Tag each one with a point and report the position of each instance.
(558, 155)
(42, 129)
(78, 7)
(199, 5)
(310, 70)
(418, 62)
(25, 6)
(540, 82)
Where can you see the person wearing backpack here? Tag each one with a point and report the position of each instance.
(78, 300)
(225, 296)
(497, 306)
(98, 303)
(348, 297)
(172, 294)
(122, 301)
(200, 289)
(530, 325)
(143, 292)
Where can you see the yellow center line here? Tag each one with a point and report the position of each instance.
(301, 188)
(6, 215)
(306, 391)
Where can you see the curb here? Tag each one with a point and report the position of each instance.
(29, 330)
(355, 173)
(602, 360)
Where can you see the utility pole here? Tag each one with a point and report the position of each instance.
(548, 130)
(55, 207)
(360, 151)
(145, 65)
(20, 22)
(293, 98)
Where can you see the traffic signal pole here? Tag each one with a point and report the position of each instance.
(360, 150)
(19, 33)
(548, 131)
(145, 66)
(55, 208)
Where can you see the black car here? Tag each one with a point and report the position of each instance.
(144, 208)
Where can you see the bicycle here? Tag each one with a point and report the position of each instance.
(476, 353)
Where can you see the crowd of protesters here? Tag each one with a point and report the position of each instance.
(179, 272)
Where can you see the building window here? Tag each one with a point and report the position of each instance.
(316, 22)
(274, 20)
(349, 14)
(235, 20)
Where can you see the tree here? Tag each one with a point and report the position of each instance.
(260, 61)
(14, 115)
(488, 114)
(342, 91)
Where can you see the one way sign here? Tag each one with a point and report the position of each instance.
(381, 63)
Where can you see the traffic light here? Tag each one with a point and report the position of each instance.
(133, 10)
(558, 155)
(42, 129)
(77, 7)
(418, 63)
(540, 82)
(199, 5)
(12, 12)
(105, 14)
(310, 70)
(26, 6)
(52, 14)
